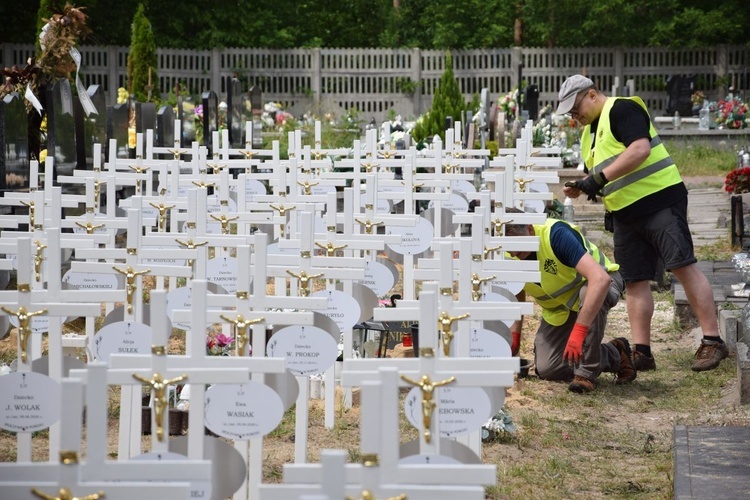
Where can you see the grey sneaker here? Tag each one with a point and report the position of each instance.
(643, 363)
(709, 355)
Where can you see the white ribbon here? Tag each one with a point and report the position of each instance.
(83, 96)
(29, 95)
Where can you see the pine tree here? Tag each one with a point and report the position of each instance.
(448, 101)
(142, 59)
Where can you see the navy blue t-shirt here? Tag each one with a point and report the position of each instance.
(567, 244)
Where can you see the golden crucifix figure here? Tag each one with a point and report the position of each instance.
(387, 154)
(24, 326)
(446, 324)
(65, 494)
(282, 212)
(368, 495)
(190, 244)
(240, 329)
(428, 402)
(203, 184)
(38, 259)
(304, 281)
(449, 168)
(498, 225)
(138, 170)
(522, 183)
(215, 167)
(89, 227)
(489, 250)
(248, 154)
(32, 212)
(368, 224)
(162, 208)
(130, 284)
(369, 166)
(224, 220)
(159, 387)
(330, 248)
(307, 186)
(97, 190)
(476, 285)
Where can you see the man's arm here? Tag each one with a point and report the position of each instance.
(597, 289)
(633, 156)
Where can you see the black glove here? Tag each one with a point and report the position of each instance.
(591, 185)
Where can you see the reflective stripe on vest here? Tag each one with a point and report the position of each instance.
(657, 172)
(558, 292)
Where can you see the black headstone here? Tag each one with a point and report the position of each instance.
(61, 135)
(531, 101)
(14, 144)
(117, 128)
(235, 106)
(256, 100)
(164, 136)
(679, 90)
(145, 117)
(91, 129)
(210, 117)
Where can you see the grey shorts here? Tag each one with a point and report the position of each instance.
(640, 243)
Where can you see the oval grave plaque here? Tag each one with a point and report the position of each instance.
(242, 411)
(28, 402)
(122, 337)
(308, 350)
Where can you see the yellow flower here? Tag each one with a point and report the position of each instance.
(42, 156)
(122, 96)
(131, 138)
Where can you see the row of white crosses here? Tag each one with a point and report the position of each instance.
(138, 232)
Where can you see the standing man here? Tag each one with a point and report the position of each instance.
(640, 185)
(579, 286)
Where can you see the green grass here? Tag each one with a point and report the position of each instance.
(702, 160)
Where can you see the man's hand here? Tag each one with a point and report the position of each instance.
(591, 185)
(574, 348)
(515, 345)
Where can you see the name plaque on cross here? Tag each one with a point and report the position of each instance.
(488, 344)
(461, 410)
(414, 240)
(378, 278)
(308, 350)
(29, 402)
(78, 280)
(341, 307)
(242, 411)
(223, 272)
(122, 337)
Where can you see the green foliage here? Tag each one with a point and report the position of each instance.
(448, 101)
(41, 19)
(142, 61)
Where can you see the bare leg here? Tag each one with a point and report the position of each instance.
(700, 296)
(640, 306)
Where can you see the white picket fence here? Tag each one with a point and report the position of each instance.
(378, 81)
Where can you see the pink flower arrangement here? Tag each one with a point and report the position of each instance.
(219, 344)
(731, 113)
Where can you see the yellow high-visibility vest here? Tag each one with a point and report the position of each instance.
(557, 293)
(657, 172)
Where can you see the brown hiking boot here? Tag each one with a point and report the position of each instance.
(627, 372)
(709, 355)
(643, 363)
(581, 385)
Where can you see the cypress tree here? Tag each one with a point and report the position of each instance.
(142, 59)
(448, 101)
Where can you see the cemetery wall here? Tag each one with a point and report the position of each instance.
(376, 81)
